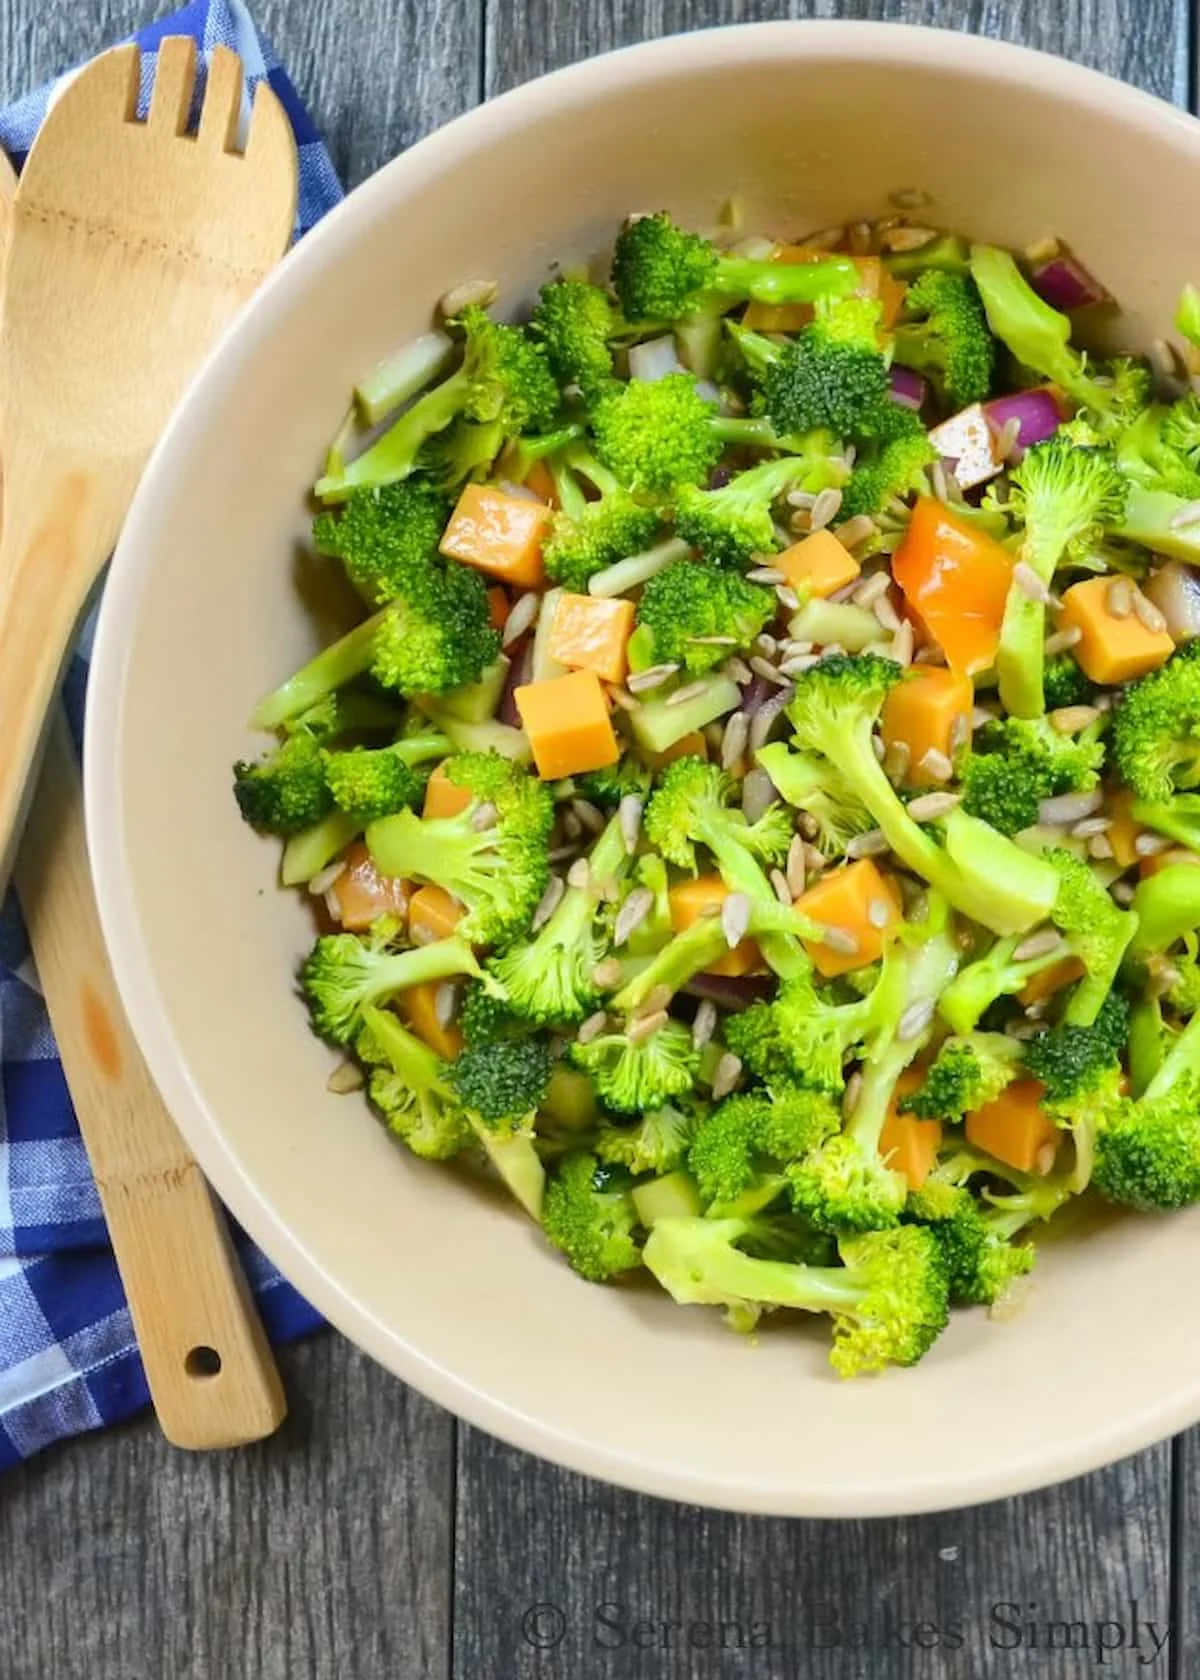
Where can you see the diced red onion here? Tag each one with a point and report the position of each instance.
(755, 692)
(654, 360)
(1036, 412)
(908, 388)
(520, 671)
(732, 992)
(1065, 284)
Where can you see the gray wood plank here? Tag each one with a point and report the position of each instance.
(554, 1574)
(323, 1552)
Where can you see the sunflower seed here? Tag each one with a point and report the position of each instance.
(652, 677)
(930, 654)
(937, 477)
(1029, 583)
(324, 879)
(735, 918)
(549, 902)
(909, 198)
(592, 1027)
(1039, 944)
(930, 806)
(705, 1024)
(1148, 612)
(797, 869)
(879, 912)
(907, 238)
(800, 499)
(1189, 515)
(871, 844)
(825, 509)
(621, 697)
(1123, 891)
(1167, 360)
(1068, 720)
(484, 816)
(560, 854)
(714, 641)
(824, 239)
(1067, 808)
(729, 1071)
(1091, 825)
(1061, 641)
(901, 649)
(787, 597)
(851, 1094)
(1100, 846)
(766, 574)
(765, 717)
(571, 826)
(346, 1077)
(758, 794)
(608, 974)
(870, 590)
(839, 939)
(817, 861)
(445, 1003)
(655, 1000)
(896, 760)
(915, 1020)
(523, 617)
(981, 715)
(1149, 845)
(1007, 438)
(632, 914)
(857, 531)
(734, 739)
(580, 874)
(690, 691)
(798, 663)
(782, 891)
(737, 671)
(935, 763)
(878, 747)
(478, 293)
(589, 815)
(1119, 597)
(629, 815)
(608, 889)
(768, 672)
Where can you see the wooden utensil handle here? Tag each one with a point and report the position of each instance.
(212, 1375)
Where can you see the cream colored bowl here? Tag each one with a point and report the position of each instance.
(808, 124)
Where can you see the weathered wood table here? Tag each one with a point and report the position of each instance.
(376, 1539)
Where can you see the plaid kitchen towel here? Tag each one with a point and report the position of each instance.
(68, 1358)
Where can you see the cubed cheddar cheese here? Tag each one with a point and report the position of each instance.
(704, 896)
(362, 894)
(444, 798)
(568, 724)
(432, 915)
(591, 633)
(817, 565)
(540, 482)
(500, 534)
(1112, 648)
(1015, 1129)
(419, 1007)
(909, 1145)
(928, 712)
(858, 901)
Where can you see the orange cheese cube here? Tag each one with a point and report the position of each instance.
(1051, 980)
(444, 798)
(1123, 828)
(1112, 649)
(704, 896)
(590, 633)
(817, 565)
(540, 480)
(1015, 1128)
(930, 711)
(687, 746)
(500, 534)
(908, 1145)
(418, 1005)
(858, 901)
(432, 915)
(567, 722)
(362, 894)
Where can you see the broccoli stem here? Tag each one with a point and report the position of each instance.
(629, 574)
(738, 1276)
(398, 378)
(764, 282)
(394, 455)
(701, 945)
(742, 873)
(419, 749)
(1167, 905)
(332, 668)
(488, 736)
(1146, 1048)
(1182, 1059)
(307, 853)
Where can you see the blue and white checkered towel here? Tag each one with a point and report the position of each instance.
(68, 1358)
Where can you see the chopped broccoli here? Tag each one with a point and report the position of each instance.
(835, 709)
(1148, 1151)
(655, 1143)
(658, 435)
(1065, 497)
(611, 784)
(888, 1298)
(731, 525)
(893, 463)
(493, 856)
(384, 537)
(967, 1074)
(1097, 931)
(805, 1033)
(1021, 761)
(635, 1075)
(588, 1215)
(286, 792)
(576, 322)
(944, 335)
(739, 1151)
(504, 382)
(405, 1084)
(1064, 683)
(814, 786)
(688, 611)
(996, 974)
(1167, 907)
(662, 273)
(588, 536)
(503, 1083)
(485, 1018)
(368, 783)
(349, 713)
(832, 377)
(549, 981)
(342, 974)
(1156, 736)
(1158, 451)
(975, 1228)
(1073, 1061)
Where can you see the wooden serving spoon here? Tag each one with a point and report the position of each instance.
(211, 1373)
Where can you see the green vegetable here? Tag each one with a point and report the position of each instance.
(343, 974)
(945, 335)
(288, 791)
(688, 612)
(385, 537)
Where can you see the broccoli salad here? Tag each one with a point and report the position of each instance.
(755, 816)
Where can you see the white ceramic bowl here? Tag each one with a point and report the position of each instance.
(808, 124)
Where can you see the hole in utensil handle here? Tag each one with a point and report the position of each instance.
(202, 1362)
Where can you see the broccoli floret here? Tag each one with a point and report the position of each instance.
(589, 1217)
(833, 376)
(731, 525)
(503, 1083)
(1073, 1062)
(485, 1018)
(888, 1298)
(1148, 1151)
(342, 974)
(635, 1075)
(657, 435)
(504, 383)
(805, 1033)
(944, 335)
(687, 611)
(493, 856)
(663, 273)
(739, 1150)
(1097, 931)
(404, 1083)
(1021, 761)
(384, 537)
(976, 1229)
(286, 792)
(892, 464)
(657, 1143)
(368, 783)
(998, 973)
(549, 982)
(1167, 907)
(576, 322)
(1039, 337)
(1064, 683)
(814, 787)
(1065, 497)
(1156, 733)
(835, 709)
(589, 536)
(1158, 451)
(967, 1074)
(611, 784)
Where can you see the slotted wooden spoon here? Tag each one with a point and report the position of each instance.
(210, 1369)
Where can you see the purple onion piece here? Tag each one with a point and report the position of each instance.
(1065, 284)
(909, 389)
(755, 692)
(732, 992)
(719, 477)
(1035, 411)
(520, 671)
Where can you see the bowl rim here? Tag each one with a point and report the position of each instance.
(673, 56)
